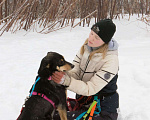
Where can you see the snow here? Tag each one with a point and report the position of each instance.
(21, 55)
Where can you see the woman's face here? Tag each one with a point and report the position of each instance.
(94, 40)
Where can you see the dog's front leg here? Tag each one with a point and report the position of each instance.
(62, 112)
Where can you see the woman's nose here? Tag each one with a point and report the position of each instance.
(92, 39)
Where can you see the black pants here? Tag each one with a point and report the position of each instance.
(72, 115)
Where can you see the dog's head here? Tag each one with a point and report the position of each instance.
(53, 62)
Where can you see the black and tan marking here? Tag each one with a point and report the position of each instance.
(37, 107)
(66, 66)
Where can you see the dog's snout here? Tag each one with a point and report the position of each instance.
(72, 66)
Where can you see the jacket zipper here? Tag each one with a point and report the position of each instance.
(87, 62)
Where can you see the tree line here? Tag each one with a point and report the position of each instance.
(51, 15)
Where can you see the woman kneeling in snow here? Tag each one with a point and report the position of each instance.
(95, 74)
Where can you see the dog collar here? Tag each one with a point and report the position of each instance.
(50, 78)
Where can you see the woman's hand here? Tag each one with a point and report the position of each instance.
(58, 77)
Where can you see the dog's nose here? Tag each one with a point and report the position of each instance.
(72, 66)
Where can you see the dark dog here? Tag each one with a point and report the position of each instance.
(38, 108)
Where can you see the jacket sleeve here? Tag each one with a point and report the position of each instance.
(75, 72)
(100, 79)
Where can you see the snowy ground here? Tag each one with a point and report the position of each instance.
(21, 55)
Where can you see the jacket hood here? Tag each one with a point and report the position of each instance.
(113, 45)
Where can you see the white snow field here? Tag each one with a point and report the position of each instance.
(20, 57)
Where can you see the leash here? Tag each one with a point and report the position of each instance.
(78, 102)
(34, 86)
(91, 110)
(69, 104)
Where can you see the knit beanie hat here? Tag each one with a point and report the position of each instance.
(105, 29)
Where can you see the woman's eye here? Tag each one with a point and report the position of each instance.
(97, 38)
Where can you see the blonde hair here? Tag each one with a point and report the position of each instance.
(103, 49)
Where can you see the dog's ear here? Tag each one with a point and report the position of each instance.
(42, 65)
(50, 54)
(44, 68)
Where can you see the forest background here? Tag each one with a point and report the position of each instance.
(52, 15)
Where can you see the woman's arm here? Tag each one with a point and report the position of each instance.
(100, 79)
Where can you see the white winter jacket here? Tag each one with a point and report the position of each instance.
(88, 77)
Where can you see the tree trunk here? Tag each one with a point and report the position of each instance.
(147, 7)
(1, 17)
(6, 10)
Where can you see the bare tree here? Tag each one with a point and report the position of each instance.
(0, 11)
(52, 15)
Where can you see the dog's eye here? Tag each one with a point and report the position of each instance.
(61, 62)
